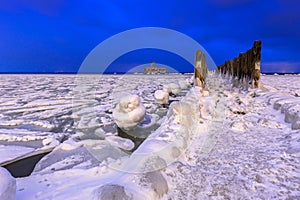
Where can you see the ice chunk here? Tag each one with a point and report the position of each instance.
(183, 84)
(88, 154)
(70, 144)
(172, 88)
(110, 191)
(100, 133)
(50, 141)
(122, 143)
(7, 185)
(296, 122)
(129, 112)
(161, 96)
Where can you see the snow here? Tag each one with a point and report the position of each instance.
(255, 160)
(7, 185)
(218, 142)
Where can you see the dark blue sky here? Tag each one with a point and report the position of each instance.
(56, 35)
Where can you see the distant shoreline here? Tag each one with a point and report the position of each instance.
(120, 73)
(70, 73)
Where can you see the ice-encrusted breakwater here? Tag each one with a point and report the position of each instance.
(245, 67)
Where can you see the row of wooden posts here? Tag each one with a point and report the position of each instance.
(244, 68)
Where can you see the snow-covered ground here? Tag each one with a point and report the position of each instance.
(256, 154)
(223, 143)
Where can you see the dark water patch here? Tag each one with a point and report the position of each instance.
(24, 167)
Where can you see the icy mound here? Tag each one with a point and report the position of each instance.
(7, 185)
(161, 96)
(129, 112)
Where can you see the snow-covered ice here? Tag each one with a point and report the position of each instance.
(218, 142)
(7, 185)
(161, 96)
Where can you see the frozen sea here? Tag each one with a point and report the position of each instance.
(240, 146)
(34, 108)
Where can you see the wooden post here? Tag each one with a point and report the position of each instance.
(201, 69)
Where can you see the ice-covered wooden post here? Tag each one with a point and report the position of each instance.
(245, 67)
(200, 69)
(255, 64)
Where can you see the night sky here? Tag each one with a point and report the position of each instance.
(56, 35)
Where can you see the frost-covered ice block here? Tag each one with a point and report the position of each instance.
(129, 112)
(161, 96)
(7, 185)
